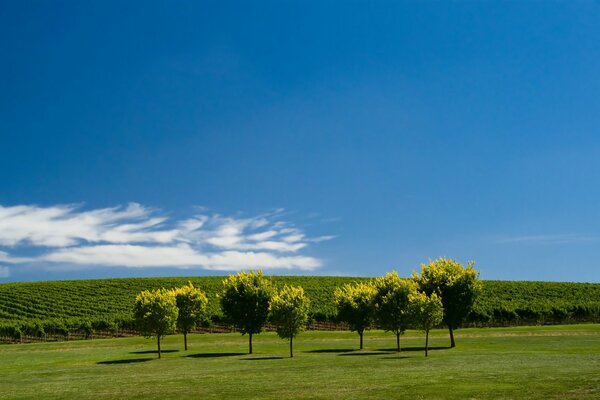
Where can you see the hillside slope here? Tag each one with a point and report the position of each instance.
(500, 303)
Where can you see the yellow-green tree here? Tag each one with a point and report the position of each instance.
(354, 304)
(191, 303)
(427, 312)
(391, 304)
(245, 302)
(456, 285)
(155, 313)
(289, 313)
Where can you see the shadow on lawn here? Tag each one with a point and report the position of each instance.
(153, 351)
(363, 353)
(329, 351)
(126, 361)
(393, 349)
(262, 358)
(211, 355)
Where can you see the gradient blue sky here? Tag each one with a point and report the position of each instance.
(347, 138)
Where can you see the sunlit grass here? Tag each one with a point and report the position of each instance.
(525, 362)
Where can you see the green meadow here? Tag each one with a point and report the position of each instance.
(540, 362)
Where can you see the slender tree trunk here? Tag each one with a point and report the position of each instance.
(158, 342)
(185, 340)
(426, 341)
(360, 333)
(291, 351)
(250, 343)
(398, 341)
(452, 343)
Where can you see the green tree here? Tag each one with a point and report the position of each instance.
(455, 285)
(391, 304)
(191, 304)
(245, 302)
(354, 304)
(289, 312)
(427, 312)
(155, 313)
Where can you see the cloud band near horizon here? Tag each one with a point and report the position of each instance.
(140, 237)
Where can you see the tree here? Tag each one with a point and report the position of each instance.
(455, 285)
(391, 304)
(155, 313)
(427, 312)
(354, 304)
(289, 312)
(245, 302)
(191, 304)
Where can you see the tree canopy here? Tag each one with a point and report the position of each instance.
(245, 302)
(391, 303)
(456, 285)
(289, 312)
(354, 304)
(427, 312)
(156, 313)
(191, 304)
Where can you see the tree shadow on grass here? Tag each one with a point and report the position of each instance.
(262, 358)
(126, 361)
(153, 351)
(393, 349)
(362, 353)
(397, 356)
(211, 355)
(330, 351)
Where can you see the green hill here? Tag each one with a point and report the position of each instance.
(64, 305)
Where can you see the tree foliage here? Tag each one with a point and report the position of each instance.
(192, 305)
(245, 302)
(391, 303)
(156, 313)
(455, 285)
(354, 303)
(289, 313)
(427, 312)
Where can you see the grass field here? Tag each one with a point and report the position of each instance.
(549, 362)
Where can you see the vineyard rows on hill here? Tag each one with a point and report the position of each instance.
(104, 304)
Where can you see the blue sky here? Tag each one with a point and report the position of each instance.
(348, 138)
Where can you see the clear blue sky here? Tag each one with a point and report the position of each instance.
(347, 138)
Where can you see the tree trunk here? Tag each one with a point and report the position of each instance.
(361, 339)
(250, 343)
(158, 342)
(291, 351)
(452, 343)
(426, 341)
(398, 341)
(185, 340)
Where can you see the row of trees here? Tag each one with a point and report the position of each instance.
(248, 301)
(159, 312)
(444, 291)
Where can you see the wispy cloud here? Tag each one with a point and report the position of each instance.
(4, 272)
(550, 239)
(137, 236)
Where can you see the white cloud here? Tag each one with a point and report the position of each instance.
(61, 226)
(4, 272)
(5, 257)
(136, 236)
(180, 256)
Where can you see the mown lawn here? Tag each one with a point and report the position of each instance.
(527, 362)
